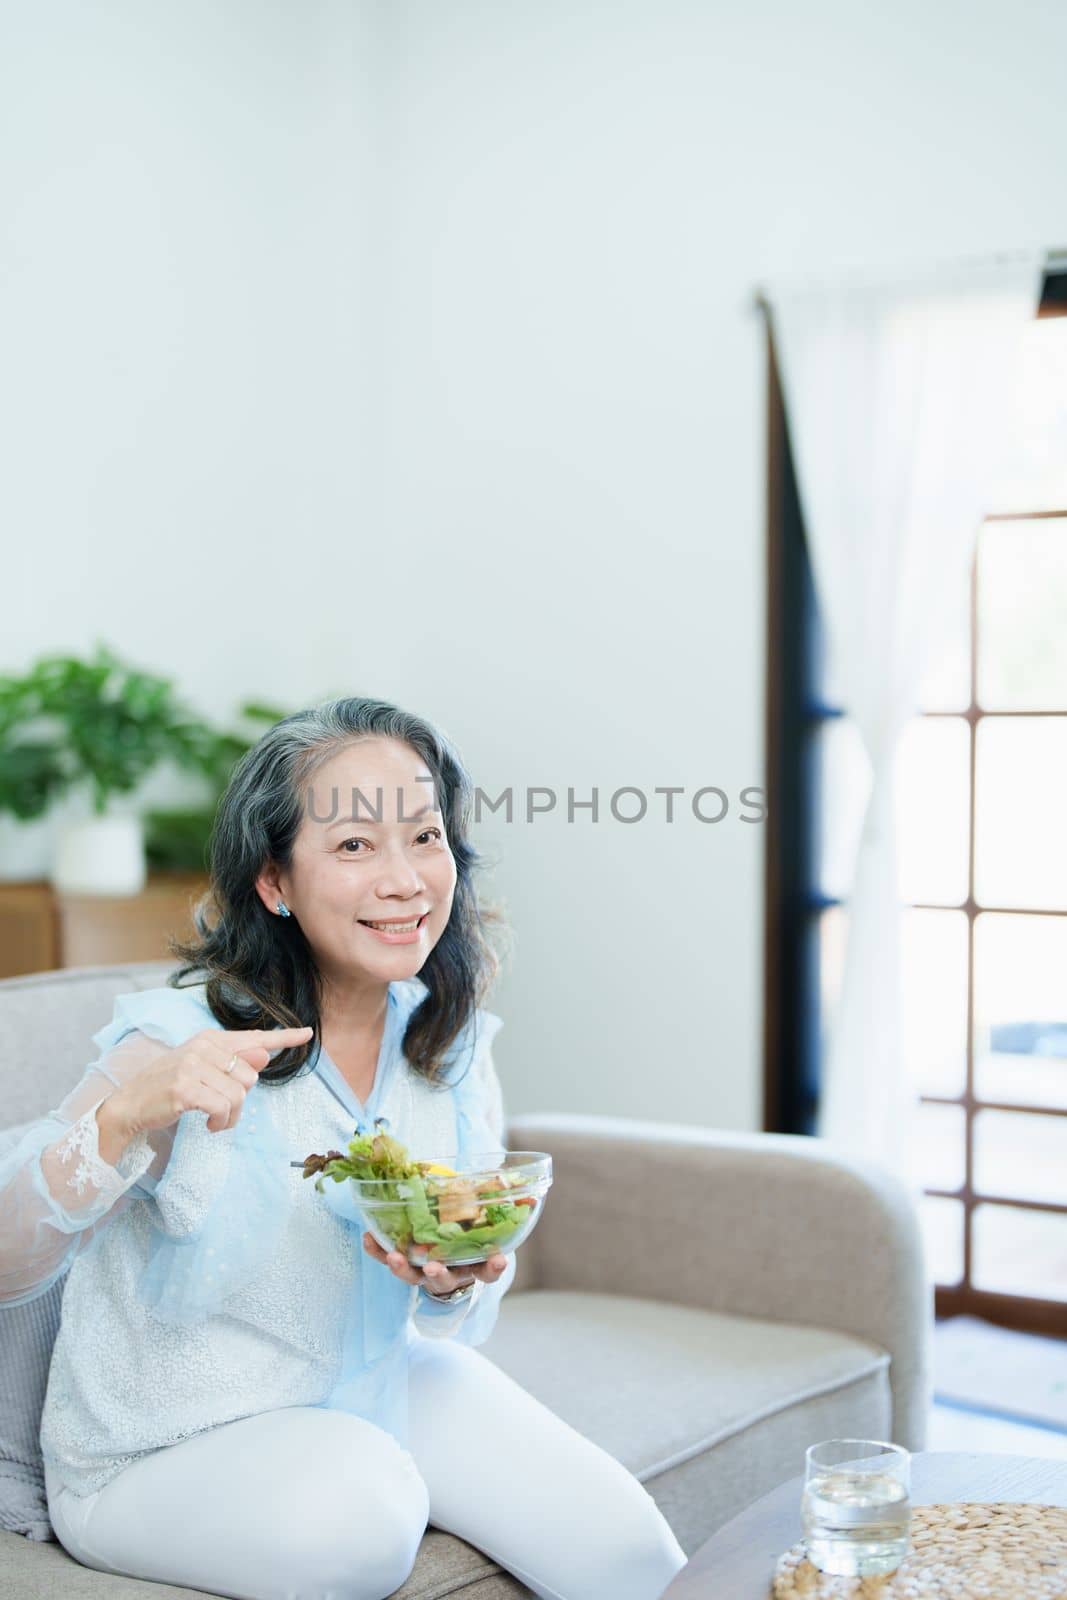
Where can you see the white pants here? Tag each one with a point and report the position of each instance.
(309, 1504)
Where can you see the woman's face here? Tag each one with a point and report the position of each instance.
(350, 870)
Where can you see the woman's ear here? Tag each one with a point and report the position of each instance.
(269, 888)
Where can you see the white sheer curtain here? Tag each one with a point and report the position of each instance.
(897, 394)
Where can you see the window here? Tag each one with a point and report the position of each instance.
(981, 805)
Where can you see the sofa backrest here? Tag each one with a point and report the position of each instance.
(47, 1022)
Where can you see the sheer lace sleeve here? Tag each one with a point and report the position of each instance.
(56, 1191)
(472, 1321)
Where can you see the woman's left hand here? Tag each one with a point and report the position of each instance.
(435, 1276)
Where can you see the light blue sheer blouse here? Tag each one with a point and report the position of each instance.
(214, 1270)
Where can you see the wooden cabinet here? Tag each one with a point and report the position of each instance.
(28, 936)
(41, 930)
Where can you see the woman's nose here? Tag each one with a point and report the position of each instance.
(398, 877)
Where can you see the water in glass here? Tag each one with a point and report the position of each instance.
(856, 1519)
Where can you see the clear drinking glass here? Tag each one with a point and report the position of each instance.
(856, 1506)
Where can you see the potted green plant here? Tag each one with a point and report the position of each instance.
(31, 780)
(93, 728)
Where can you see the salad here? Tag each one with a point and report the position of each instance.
(427, 1209)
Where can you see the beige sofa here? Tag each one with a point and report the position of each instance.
(701, 1304)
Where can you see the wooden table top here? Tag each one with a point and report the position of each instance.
(738, 1562)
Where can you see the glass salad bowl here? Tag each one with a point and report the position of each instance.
(459, 1212)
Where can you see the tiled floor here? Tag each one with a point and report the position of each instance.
(956, 1427)
(965, 1430)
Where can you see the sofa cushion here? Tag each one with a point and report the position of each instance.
(46, 1025)
(446, 1566)
(27, 1334)
(709, 1411)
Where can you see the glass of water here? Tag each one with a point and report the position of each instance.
(856, 1507)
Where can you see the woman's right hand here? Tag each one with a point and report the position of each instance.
(193, 1077)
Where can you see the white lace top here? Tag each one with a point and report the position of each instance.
(124, 1382)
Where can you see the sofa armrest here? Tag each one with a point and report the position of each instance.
(756, 1224)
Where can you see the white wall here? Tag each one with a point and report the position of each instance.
(406, 350)
(581, 198)
(183, 241)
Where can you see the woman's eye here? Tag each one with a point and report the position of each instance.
(427, 833)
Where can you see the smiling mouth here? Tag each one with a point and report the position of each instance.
(396, 927)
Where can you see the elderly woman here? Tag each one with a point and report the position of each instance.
(247, 1394)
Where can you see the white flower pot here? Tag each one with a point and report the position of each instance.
(101, 855)
(26, 848)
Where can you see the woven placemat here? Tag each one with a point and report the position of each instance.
(958, 1552)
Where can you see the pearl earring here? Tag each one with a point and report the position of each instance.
(283, 909)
